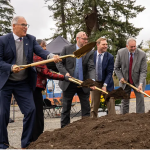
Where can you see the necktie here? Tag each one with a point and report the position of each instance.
(130, 69)
(20, 38)
(99, 68)
(80, 69)
(78, 72)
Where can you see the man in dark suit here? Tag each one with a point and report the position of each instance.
(82, 69)
(104, 65)
(17, 48)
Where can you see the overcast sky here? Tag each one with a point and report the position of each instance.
(37, 16)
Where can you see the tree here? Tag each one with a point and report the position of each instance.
(145, 46)
(112, 19)
(6, 15)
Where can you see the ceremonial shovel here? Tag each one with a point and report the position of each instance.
(77, 54)
(121, 93)
(136, 89)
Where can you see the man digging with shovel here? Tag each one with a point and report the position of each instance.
(104, 65)
(82, 69)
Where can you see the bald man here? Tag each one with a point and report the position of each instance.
(81, 69)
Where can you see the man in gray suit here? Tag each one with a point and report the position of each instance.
(82, 69)
(131, 66)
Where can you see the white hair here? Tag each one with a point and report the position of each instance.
(130, 39)
(15, 20)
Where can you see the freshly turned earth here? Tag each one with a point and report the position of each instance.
(117, 94)
(129, 131)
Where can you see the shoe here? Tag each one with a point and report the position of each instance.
(11, 120)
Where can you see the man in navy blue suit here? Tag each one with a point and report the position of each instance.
(104, 65)
(17, 48)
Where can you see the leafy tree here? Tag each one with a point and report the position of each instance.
(112, 19)
(145, 46)
(6, 15)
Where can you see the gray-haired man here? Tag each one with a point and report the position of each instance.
(131, 66)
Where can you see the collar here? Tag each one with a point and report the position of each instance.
(132, 53)
(77, 47)
(99, 53)
(16, 37)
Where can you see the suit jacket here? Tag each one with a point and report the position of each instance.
(8, 56)
(139, 67)
(107, 69)
(68, 66)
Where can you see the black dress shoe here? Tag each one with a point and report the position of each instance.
(11, 120)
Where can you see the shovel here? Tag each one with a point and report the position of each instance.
(136, 89)
(77, 54)
(117, 94)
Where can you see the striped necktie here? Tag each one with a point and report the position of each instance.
(99, 68)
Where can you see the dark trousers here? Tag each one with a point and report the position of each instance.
(39, 119)
(24, 97)
(67, 100)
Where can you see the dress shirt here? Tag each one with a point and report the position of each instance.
(102, 55)
(130, 55)
(16, 38)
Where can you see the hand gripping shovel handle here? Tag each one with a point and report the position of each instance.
(79, 82)
(72, 79)
(136, 89)
(78, 53)
(43, 62)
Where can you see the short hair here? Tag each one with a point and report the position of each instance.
(101, 39)
(80, 33)
(40, 41)
(15, 20)
(130, 39)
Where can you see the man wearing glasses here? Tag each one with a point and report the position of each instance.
(17, 48)
(81, 69)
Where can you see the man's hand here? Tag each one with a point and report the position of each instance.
(16, 69)
(92, 87)
(122, 80)
(104, 88)
(56, 59)
(140, 88)
(67, 74)
(66, 77)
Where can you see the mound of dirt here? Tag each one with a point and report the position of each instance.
(130, 131)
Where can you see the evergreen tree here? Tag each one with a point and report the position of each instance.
(112, 19)
(6, 15)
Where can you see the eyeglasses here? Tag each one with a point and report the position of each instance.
(24, 25)
(85, 39)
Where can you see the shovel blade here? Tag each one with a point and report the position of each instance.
(85, 49)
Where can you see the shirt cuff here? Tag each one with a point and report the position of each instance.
(12, 68)
(49, 56)
(141, 84)
(105, 84)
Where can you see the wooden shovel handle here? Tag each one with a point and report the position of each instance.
(79, 81)
(72, 79)
(43, 62)
(136, 89)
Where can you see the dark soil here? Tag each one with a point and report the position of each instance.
(117, 94)
(130, 131)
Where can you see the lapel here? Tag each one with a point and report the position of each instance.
(25, 45)
(126, 59)
(12, 44)
(135, 58)
(105, 57)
